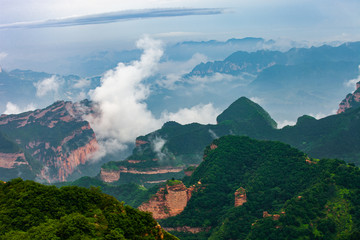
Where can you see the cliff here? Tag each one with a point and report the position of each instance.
(56, 137)
(109, 175)
(140, 171)
(12, 160)
(168, 201)
(352, 100)
(240, 197)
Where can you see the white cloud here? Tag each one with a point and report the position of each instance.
(217, 77)
(285, 123)
(352, 83)
(174, 70)
(47, 86)
(204, 114)
(113, 16)
(213, 134)
(123, 115)
(12, 108)
(318, 115)
(157, 145)
(3, 55)
(81, 83)
(257, 100)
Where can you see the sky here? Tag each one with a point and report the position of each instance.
(37, 33)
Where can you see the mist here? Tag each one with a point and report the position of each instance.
(120, 102)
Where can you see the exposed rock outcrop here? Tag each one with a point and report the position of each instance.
(351, 100)
(274, 217)
(56, 136)
(11, 160)
(169, 201)
(240, 197)
(109, 175)
(151, 171)
(187, 229)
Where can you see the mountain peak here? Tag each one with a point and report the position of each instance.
(351, 101)
(245, 110)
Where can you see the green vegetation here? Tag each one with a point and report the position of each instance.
(173, 182)
(130, 193)
(7, 146)
(313, 200)
(29, 210)
(246, 111)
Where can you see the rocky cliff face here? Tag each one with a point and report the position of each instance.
(12, 160)
(150, 171)
(352, 100)
(56, 137)
(109, 175)
(240, 197)
(169, 201)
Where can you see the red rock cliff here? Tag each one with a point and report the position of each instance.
(11, 160)
(169, 201)
(351, 100)
(109, 175)
(240, 197)
(60, 140)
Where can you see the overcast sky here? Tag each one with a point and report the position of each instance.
(35, 31)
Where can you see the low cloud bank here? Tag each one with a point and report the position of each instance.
(47, 86)
(122, 113)
(12, 108)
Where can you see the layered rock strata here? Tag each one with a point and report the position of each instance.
(169, 201)
(57, 137)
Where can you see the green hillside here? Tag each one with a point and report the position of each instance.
(7, 146)
(29, 210)
(273, 175)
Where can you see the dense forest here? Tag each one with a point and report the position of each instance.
(29, 210)
(289, 195)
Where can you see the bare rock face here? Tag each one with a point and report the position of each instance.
(351, 100)
(240, 197)
(12, 160)
(109, 175)
(187, 229)
(169, 201)
(56, 137)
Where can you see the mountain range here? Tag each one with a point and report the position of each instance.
(47, 144)
(169, 151)
(303, 80)
(55, 144)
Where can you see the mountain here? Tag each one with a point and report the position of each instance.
(50, 143)
(167, 152)
(96, 63)
(247, 115)
(330, 137)
(255, 62)
(30, 210)
(352, 100)
(13, 160)
(250, 189)
(301, 80)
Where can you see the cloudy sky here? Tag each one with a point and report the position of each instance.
(34, 33)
